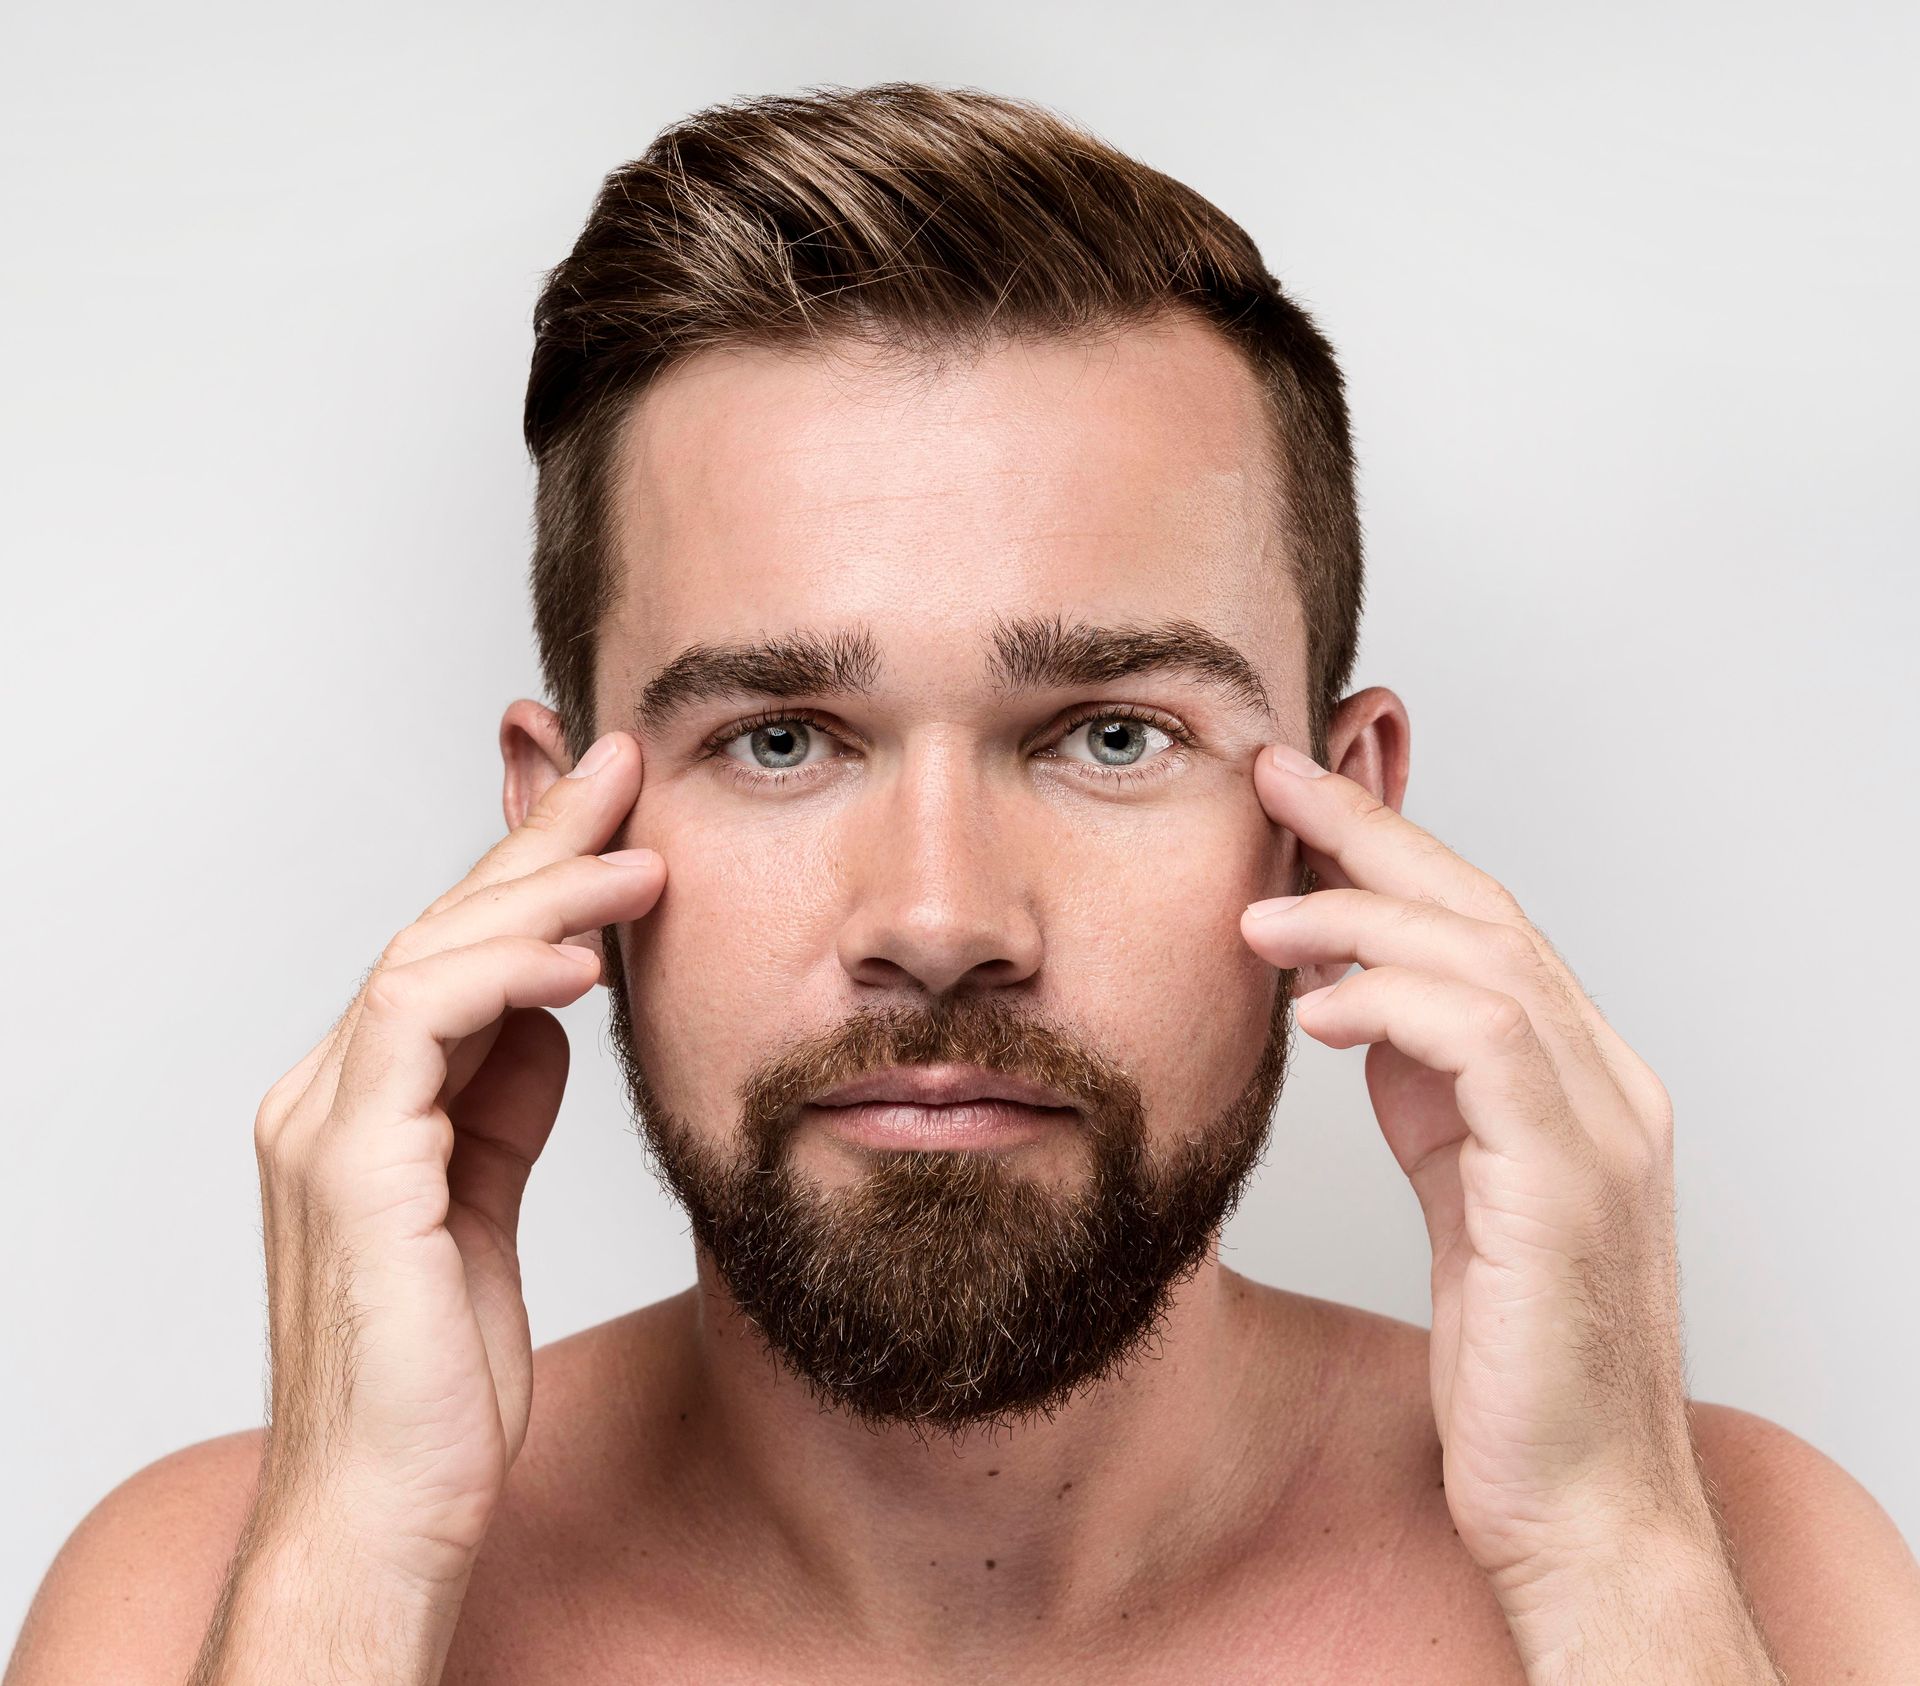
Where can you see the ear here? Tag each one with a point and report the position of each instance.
(533, 751)
(1369, 740)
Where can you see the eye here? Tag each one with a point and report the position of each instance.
(1122, 739)
(774, 744)
(773, 748)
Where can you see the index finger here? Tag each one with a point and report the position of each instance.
(1373, 846)
(577, 814)
(574, 815)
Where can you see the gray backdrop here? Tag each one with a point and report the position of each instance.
(1625, 296)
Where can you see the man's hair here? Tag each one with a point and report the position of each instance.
(914, 217)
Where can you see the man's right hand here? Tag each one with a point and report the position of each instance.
(392, 1163)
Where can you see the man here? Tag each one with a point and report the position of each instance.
(947, 581)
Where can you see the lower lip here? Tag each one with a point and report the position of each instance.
(960, 1125)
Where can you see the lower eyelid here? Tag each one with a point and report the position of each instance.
(1167, 759)
(1096, 774)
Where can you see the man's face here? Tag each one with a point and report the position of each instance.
(964, 833)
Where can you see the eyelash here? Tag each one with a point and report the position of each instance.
(715, 746)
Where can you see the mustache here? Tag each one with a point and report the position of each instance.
(984, 1030)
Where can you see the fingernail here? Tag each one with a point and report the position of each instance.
(1313, 997)
(1277, 905)
(1290, 760)
(630, 857)
(603, 751)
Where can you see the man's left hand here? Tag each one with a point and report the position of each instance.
(1540, 1148)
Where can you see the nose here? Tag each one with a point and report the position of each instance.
(937, 894)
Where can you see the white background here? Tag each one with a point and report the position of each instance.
(1625, 294)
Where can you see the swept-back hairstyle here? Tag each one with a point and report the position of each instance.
(922, 218)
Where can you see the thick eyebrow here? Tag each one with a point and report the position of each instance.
(1036, 652)
(1029, 653)
(796, 664)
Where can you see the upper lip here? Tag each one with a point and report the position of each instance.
(939, 1085)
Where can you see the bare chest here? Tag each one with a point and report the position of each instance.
(1366, 1610)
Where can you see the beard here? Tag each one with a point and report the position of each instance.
(944, 1290)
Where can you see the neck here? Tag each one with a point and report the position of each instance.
(1144, 1478)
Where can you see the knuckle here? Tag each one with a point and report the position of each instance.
(277, 1106)
(1504, 903)
(278, 1100)
(454, 894)
(407, 946)
(1502, 1020)
(1642, 1086)
(1368, 809)
(391, 992)
(267, 1123)
(1516, 951)
(546, 813)
(438, 905)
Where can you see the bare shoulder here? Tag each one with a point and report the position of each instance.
(1835, 1586)
(129, 1596)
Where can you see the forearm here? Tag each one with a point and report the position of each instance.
(304, 1607)
(1663, 1608)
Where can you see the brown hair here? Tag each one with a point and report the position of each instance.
(912, 216)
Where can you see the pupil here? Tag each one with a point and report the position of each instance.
(785, 740)
(1123, 730)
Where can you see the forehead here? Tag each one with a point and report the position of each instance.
(1130, 476)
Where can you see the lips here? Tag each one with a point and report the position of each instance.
(940, 1085)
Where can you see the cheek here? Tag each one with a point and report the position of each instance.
(719, 963)
(1149, 950)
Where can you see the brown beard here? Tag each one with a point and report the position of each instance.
(941, 1289)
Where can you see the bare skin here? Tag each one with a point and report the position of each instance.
(1352, 1572)
(1252, 1546)
(1267, 1499)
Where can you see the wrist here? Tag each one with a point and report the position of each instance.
(310, 1603)
(1599, 1614)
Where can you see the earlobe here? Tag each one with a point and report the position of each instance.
(533, 753)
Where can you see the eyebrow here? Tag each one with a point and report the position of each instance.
(1029, 653)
